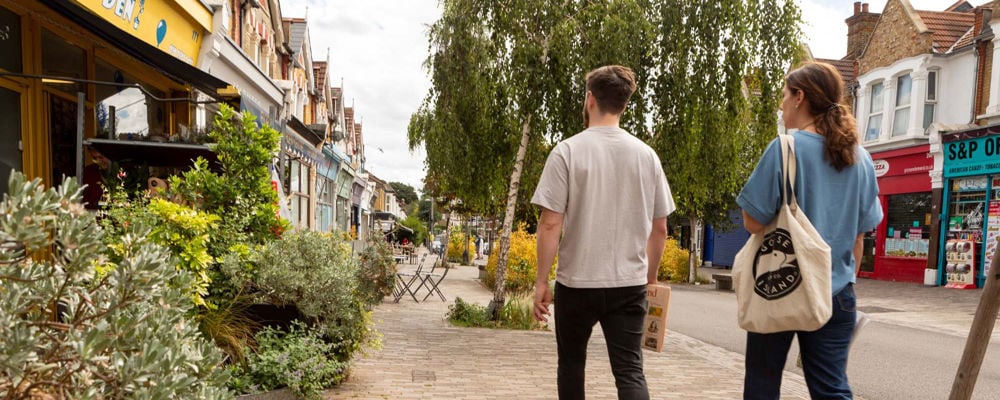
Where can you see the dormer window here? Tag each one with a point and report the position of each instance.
(874, 129)
(901, 119)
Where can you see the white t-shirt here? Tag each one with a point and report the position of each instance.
(609, 186)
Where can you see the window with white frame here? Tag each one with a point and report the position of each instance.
(930, 102)
(298, 192)
(325, 203)
(874, 129)
(901, 118)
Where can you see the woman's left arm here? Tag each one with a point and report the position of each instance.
(751, 224)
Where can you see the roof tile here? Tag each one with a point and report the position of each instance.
(845, 67)
(947, 27)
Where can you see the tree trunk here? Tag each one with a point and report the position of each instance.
(468, 235)
(445, 240)
(499, 292)
(692, 251)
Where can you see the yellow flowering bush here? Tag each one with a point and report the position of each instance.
(455, 249)
(674, 263)
(522, 264)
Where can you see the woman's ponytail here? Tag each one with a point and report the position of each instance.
(838, 125)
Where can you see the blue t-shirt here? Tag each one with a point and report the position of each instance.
(839, 204)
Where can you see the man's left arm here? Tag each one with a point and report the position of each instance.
(549, 231)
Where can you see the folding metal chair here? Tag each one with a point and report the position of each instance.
(404, 282)
(431, 281)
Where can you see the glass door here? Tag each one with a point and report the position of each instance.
(10, 134)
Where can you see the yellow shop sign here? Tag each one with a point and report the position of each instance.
(174, 26)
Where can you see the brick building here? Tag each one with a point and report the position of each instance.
(910, 75)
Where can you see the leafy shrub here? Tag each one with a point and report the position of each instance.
(467, 314)
(181, 229)
(242, 194)
(456, 251)
(68, 333)
(516, 314)
(316, 273)
(522, 264)
(377, 273)
(674, 263)
(299, 360)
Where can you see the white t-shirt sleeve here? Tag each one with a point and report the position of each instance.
(552, 191)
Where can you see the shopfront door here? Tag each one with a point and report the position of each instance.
(868, 253)
(62, 122)
(10, 134)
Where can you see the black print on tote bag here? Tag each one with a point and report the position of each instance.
(776, 255)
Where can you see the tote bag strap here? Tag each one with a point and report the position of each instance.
(788, 169)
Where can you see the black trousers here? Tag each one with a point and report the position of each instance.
(621, 312)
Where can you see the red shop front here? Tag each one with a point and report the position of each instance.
(898, 248)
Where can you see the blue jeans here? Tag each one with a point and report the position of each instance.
(824, 355)
(621, 312)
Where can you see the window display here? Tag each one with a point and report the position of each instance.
(908, 225)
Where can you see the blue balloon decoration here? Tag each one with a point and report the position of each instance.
(161, 31)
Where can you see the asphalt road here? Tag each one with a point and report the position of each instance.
(888, 362)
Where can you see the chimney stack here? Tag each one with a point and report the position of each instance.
(859, 28)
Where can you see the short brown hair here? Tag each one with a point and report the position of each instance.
(611, 86)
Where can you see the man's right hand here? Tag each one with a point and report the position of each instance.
(543, 298)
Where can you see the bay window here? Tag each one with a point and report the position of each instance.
(874, 129)
(901, 118)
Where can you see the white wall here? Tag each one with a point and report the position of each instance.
(956, 87)
(955, 93)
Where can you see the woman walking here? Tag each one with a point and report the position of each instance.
(836, 187)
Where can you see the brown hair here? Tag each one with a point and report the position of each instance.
(611, 86)
(823, 89)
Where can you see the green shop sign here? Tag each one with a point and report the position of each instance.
(972, 157)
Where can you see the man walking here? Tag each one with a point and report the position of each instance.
(605, 192)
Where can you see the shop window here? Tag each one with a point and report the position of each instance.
(10, 41)
(874, 129)
(61, 58)
(127, 113)
(901, 118)
(10, 135)
(908, 225)
(966, 209)
(930, 102)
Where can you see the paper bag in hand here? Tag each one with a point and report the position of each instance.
(655, 326)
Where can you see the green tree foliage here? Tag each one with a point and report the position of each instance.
(419, 229)
(508, 83)
(71, 333)
(404, 192)
(715, 95)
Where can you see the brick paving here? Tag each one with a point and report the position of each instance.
(424, 357)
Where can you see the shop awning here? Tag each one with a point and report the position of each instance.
(154, 153)
(154, 57)
(308, 134)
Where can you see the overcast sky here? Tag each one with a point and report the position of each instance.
(378, 47)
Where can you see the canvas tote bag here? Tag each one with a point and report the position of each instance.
(782, 276)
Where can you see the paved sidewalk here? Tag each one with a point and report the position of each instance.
(424, 357)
